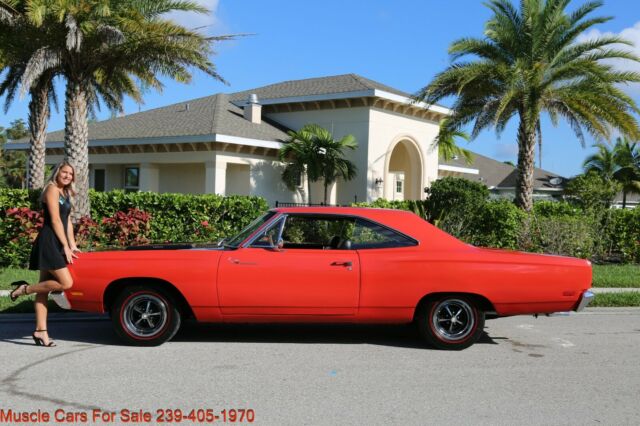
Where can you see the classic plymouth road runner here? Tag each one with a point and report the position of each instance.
(327, 264)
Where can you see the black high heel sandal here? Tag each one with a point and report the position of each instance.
(40, 341)
(18, 284)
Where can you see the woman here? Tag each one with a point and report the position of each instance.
(53, 249)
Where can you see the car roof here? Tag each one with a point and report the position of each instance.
(404, 221)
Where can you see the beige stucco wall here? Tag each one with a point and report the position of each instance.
(183, 178)
(387, 129)
(340, 122)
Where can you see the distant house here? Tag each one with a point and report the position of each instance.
(500, 177)
(228, 144)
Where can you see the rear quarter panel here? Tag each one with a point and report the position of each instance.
(192, 272)
(395, 280)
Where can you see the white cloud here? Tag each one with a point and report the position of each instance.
(191, 20)
(632, 35)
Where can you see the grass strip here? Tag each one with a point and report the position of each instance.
(616, 276)
(23, 305)
(616, 300)
(9, 275)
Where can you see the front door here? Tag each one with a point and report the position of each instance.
(312, 274)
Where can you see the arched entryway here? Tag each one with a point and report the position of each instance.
(403, 171)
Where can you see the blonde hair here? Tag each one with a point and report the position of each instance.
(70, 189)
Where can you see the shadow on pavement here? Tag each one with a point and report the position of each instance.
(101, 333)
(402, 336)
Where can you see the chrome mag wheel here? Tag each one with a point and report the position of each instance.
(145, 315)
(453, 320)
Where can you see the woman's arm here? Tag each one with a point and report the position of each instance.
(70, 237)
(52, 197)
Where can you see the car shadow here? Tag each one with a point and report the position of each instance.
(401, 336)
(100, 332)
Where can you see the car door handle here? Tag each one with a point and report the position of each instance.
(342, 263)
(239, 262)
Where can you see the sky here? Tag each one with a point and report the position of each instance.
(400, 43)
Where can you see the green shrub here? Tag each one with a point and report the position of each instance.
(119, 218)
(498, 225)
(561, 235)
(454, 196)
(624, 232)
(556, 208)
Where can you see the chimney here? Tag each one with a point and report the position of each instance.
(253, 110)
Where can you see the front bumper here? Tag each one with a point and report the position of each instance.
(585, 299)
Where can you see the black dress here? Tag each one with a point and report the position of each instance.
(48, 252)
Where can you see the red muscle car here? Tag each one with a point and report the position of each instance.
(330, 265)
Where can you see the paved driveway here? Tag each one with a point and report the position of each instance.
(580, 369)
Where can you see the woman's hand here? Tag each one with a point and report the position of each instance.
(69, 254)
(75, 249)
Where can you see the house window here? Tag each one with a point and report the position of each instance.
(98, 179)
(131, 179)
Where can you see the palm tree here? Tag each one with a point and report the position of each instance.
(19, 41)
(529, 62)
(602, 162)
(100, 49)
(313, 151)
(301, 157)
(627, 156)
(446, 142)
(333, 165)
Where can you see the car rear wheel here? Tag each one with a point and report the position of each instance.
(452, 322)
(145, 316)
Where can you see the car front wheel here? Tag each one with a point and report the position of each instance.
(145, 316)
(452, 322)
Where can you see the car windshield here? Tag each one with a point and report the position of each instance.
(250, 229)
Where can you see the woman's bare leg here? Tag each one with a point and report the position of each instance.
(55, 280)
(41, 309)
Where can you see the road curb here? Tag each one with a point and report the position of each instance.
(55, 317)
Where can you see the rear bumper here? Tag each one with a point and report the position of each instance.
(585, 299)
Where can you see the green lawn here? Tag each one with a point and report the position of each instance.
(616, 275)
(9, 275)
(617, 300)
(23, 305)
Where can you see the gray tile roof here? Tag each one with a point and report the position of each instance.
(494, 173)
(316, 86)
(203, 116)
(217, 114)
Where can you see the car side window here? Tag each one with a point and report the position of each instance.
(268, 237)
(370, 235)
(318, 232)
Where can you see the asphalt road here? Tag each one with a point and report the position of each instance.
(580, 369)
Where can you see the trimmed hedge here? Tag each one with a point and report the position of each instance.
(465, 210)
(120, 219)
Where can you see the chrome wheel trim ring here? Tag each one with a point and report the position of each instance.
(453, 320)
(145, 315)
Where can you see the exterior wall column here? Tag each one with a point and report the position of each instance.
(210, 177)
(149, 177)
(215, 172)
(220, 180)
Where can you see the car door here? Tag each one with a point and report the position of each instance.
(312, 273)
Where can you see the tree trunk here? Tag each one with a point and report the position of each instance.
(308, 188)
(76, 143)
(325, 192)
(38, 119)
(526, 163)
(624, 199)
